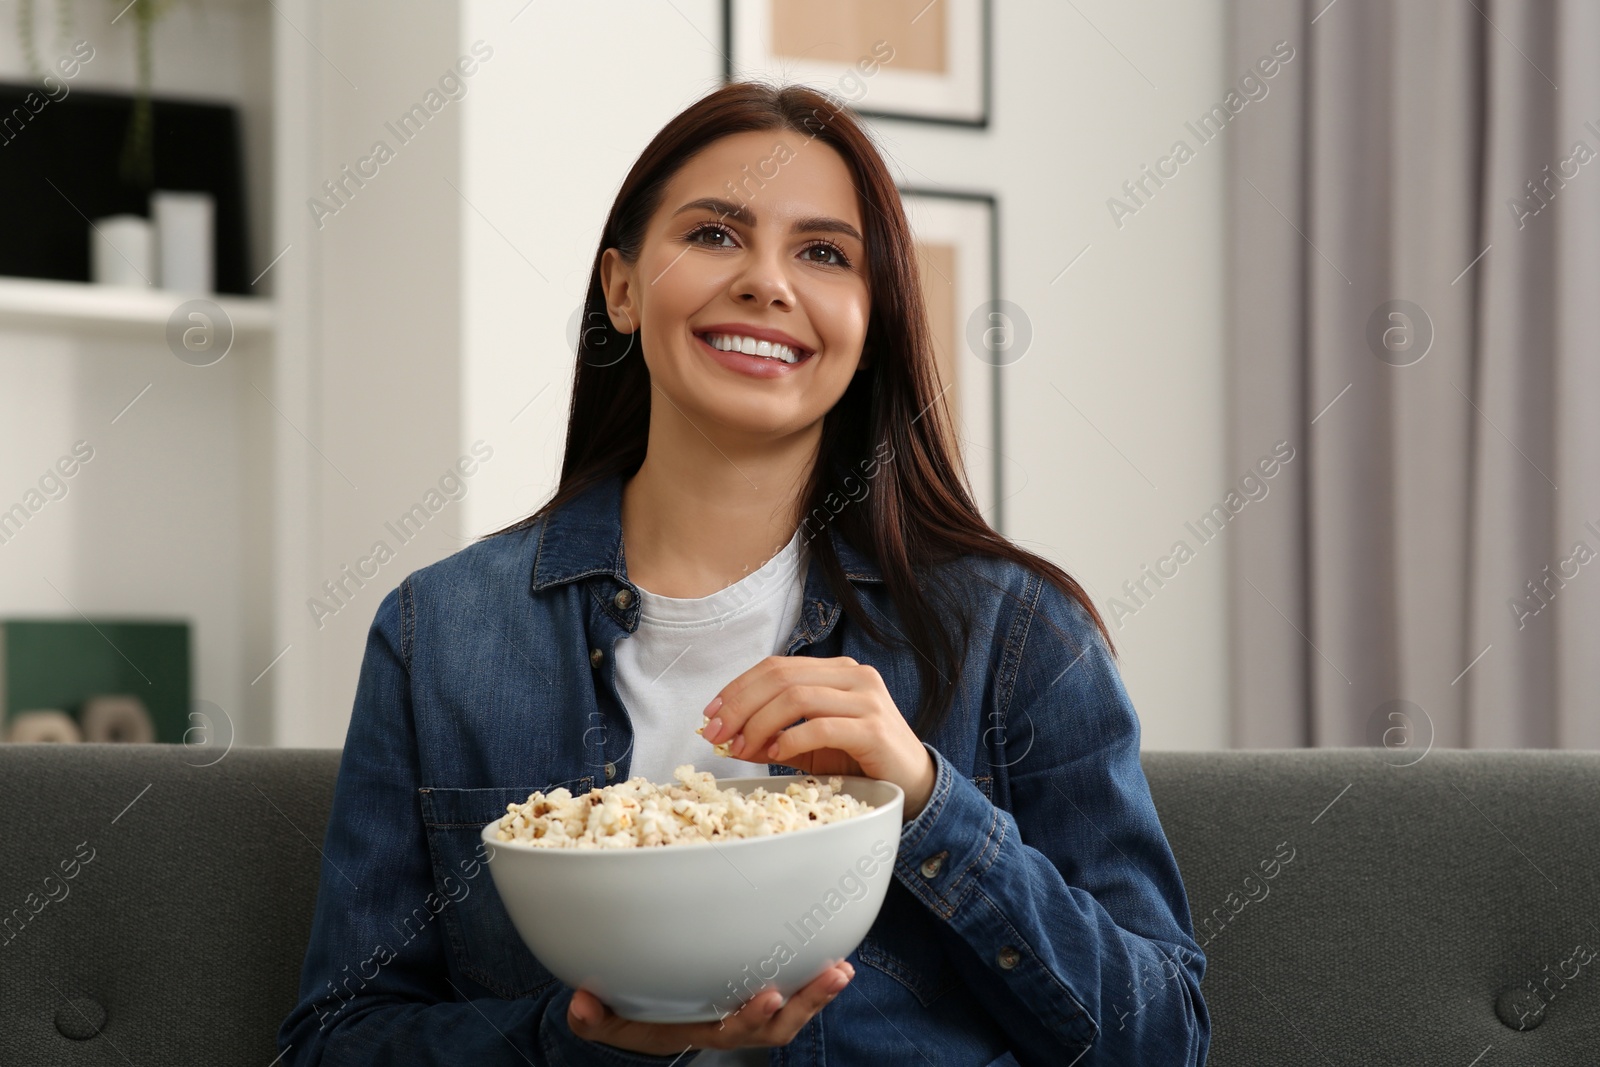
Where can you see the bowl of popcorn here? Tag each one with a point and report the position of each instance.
(678, 902)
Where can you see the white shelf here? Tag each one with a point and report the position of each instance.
(32, 303)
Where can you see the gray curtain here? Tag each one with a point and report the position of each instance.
(1414, 269)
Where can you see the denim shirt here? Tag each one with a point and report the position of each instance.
(1036, 914)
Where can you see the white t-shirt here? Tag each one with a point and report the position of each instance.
(682, 653)
(685, 650)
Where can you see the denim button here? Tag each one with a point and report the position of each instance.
(623, 598)
(611, 770)
(595, 656)
(1008, 958)
(932, 864)
(81, 1018)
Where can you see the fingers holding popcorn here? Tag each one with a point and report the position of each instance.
(787, 707)
(731, 710)
(868, 734)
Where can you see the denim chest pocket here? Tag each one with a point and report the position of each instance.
(904, 945)
(483, 942)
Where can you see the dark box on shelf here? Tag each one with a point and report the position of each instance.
(60, 166)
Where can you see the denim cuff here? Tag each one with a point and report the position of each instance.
(944, 852)
(950, 843)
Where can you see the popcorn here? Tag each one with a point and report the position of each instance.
(721, 747)
(639, 814)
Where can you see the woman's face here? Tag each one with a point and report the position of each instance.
(758, 236)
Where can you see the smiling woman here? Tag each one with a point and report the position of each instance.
(758, 271)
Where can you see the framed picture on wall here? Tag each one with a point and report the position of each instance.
(957, 238)
(897, 59)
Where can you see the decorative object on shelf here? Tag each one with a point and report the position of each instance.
(63, 169)
(137, 161)
(116, 718)
(183, 240)
(43, 725)
(120, 252)
(896, 59)
(73, 663)
(972, 331)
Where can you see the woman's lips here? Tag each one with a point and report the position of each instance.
(754, 366)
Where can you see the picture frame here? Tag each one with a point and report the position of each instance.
(957, 238)
(936, 68)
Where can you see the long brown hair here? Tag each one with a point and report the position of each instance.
(918, 505)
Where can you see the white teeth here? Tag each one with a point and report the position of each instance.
(751, 347)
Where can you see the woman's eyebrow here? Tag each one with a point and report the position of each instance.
(742, 214)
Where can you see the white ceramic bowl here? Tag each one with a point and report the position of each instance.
(686, 933)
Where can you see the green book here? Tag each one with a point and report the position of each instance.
(61, 663)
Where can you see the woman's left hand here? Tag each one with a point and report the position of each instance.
(852, 724)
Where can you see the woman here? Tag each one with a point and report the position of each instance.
(783, 538)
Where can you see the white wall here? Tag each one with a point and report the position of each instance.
(376, 320)
(1132, 333)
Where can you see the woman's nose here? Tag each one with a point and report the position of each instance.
(764, 281)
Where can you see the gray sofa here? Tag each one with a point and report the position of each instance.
(1353, 911)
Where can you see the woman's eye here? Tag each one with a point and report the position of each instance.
(833, 250)
(703, 230)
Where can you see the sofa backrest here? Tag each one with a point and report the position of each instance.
(1351, 910)
(1427, 912)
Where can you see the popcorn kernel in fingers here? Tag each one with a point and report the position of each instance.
(721, 747)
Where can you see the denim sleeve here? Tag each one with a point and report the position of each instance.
(1068, 910)
(368, 994)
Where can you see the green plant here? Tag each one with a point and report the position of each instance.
(138, 162)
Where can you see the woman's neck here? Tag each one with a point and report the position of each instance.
(693, 525)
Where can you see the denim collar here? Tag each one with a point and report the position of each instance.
(584, 538)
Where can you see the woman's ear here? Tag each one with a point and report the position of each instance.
(616, 281)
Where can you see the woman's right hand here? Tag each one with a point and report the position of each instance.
(759, 1021)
